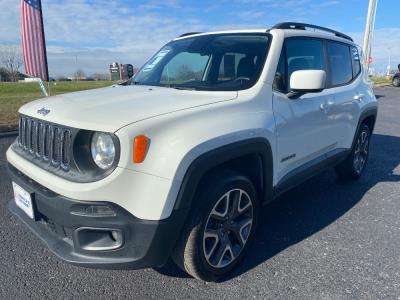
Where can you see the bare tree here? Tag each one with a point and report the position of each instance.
(4, 75)
(11, 60)
(79, 75)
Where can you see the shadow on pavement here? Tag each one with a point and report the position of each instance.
(312, 206)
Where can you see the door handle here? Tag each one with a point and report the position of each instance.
(326, 106)
(359, 97)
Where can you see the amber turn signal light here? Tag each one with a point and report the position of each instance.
(140, 144)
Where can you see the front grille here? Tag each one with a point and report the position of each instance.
(45, 141)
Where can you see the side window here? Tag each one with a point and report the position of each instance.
(340, 63)
(184, 67)
(356, 61)
(304, 54)
(279, 83)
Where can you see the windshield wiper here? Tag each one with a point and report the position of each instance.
(178, 87)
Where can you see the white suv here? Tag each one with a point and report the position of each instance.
(178, 161)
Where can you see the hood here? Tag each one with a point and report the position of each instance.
(108, 109)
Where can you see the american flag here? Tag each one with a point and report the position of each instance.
(33, 41)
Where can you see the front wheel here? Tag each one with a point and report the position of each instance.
(220, 228)
(396, 81)
(354, 165)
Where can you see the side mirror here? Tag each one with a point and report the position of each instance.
(306, 81)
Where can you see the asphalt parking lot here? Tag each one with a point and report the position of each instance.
(322, 240)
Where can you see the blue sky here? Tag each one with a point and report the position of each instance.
(98, 32)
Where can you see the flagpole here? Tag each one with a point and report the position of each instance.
(44, 41)
(369, 28)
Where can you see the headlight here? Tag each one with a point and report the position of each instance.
(103, 150)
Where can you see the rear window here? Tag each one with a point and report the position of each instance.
(340, 63)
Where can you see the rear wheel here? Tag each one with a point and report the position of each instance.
(396, 81)
(220, 228)
(354, 165)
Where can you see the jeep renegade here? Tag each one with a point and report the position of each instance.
(179, 160)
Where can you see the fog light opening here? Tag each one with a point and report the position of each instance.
(98, 239)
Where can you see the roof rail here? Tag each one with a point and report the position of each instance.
(304, 26)
(189, 33)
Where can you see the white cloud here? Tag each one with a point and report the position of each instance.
(100, 32)
(386, 41)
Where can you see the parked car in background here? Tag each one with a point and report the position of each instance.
(396, 78)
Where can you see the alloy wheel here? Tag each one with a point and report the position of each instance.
(228, 228)
(361, 152)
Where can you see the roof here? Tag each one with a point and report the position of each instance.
(293, 28)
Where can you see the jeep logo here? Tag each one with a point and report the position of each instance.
(43, 111)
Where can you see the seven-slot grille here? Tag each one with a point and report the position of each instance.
(47, 142)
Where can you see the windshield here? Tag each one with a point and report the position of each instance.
(223, 62)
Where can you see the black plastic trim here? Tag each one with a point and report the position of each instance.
(219, 156)
(146, 243)
(304, 26)
(310, 169)
(369, 112)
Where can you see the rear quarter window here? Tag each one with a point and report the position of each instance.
(356, 61)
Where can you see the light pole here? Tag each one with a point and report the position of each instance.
(369, 28)
(390, 63)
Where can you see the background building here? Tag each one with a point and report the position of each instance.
(121, 71)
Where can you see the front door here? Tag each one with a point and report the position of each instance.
(302, 126)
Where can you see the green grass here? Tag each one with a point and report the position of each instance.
(381, 80)
(14, 95)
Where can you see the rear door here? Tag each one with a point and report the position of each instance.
(301, 124)
(345, 82)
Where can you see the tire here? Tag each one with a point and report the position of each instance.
(396, 82)
(354, 165)
(209, 247)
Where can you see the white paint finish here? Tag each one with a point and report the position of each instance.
(145, 196)
(308, 80)
(302, 130)
(190, 133)
(108, 109)
(343, 113)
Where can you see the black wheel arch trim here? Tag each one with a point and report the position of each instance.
(369, 112)
(217, 157)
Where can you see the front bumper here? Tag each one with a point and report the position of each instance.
(145, 243)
